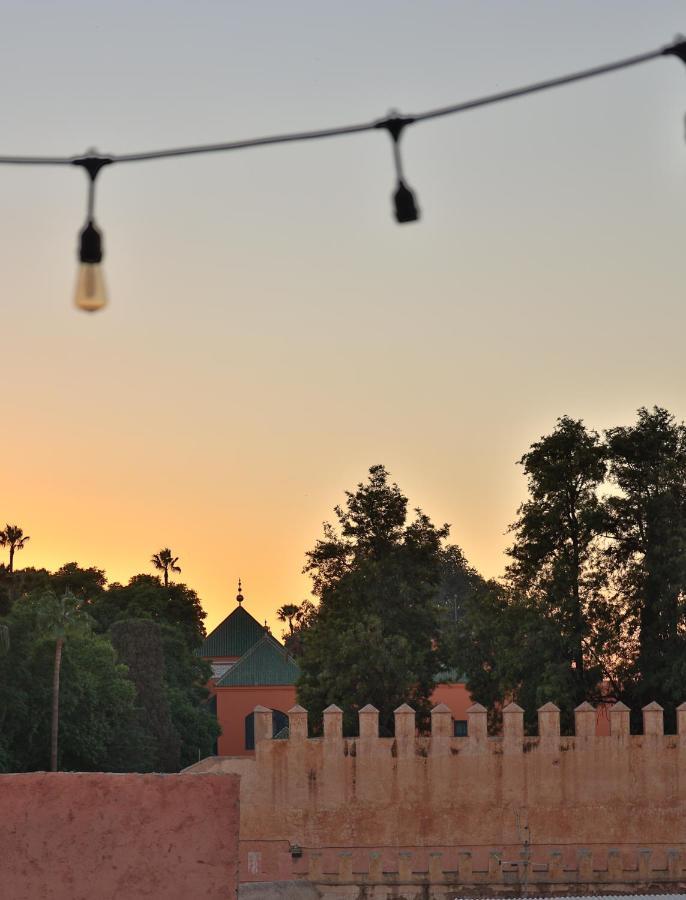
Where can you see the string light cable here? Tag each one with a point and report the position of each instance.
(90, 290)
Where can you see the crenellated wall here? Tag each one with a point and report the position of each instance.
(473, 814)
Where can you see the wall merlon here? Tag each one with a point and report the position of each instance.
(549, 721)
(369, 722)
(333, 723)
(653, 719)
(584, 720)
(477, 724)
(441, 721)
(513, 728)
(263, 724)
(297, 723)
(619, 720)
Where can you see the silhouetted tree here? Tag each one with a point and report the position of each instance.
(555, 560)
(165, 563)
(372, 637)
(287, 613)
(647, 554)
(13, 537)
(58, 619)
(139, 645)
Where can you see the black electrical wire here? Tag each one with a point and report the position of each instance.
(678, 48)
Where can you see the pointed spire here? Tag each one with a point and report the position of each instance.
(239, 595)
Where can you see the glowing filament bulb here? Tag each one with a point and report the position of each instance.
(90, 283)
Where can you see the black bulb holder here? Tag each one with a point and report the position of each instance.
(90, 244)
(678, 48)
(405, 204)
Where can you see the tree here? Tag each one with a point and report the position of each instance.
(304, 617)
(166, 563)
(372, 637)
(139, 645)
(287, 613)
(13, 537)
(59, 618)
(97, 731)
(556, 550)
(647, 553)
(145, 598)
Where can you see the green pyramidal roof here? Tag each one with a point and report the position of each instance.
(234, 636)
(266, 662)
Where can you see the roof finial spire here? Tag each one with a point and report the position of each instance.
(239, 595)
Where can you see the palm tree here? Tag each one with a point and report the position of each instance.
(287, 613)
(13, 537)
(165, 562)
(59, 618)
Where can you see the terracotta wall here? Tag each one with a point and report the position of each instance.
(440, 797)
(68, 836)
(235, 703)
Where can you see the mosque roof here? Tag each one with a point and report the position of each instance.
(234, 636)
(265, 663)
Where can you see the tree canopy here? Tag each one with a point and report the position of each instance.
(141, 644)
(372, 637)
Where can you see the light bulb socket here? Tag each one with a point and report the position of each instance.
(90, 245)
(678, 48)
(406, 209)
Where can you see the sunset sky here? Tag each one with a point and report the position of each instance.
(271, 331)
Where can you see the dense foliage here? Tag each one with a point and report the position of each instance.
(593, 603)
(371, 639)
(131, 688)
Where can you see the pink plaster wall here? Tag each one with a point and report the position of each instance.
(74, 836)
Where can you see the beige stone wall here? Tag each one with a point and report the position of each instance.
(466, 813)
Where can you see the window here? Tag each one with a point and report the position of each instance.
(279, 722)
(219, 669)
(460, 727)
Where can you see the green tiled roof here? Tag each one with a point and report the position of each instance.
(265, 663)
(234, 636)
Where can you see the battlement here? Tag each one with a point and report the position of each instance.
(477, 733)
(556, 810)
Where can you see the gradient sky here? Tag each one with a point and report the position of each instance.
(272, 333)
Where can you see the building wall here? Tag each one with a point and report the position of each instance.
(67, 836)
(473, 811)
(235, 703)
(456, 698)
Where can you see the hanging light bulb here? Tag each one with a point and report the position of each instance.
(90, 292)
(90, 283)
(404, 201)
